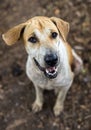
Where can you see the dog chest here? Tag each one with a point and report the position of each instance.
(45, 83)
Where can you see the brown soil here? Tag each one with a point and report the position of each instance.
(17, 92)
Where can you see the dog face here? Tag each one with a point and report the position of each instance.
(44, 40)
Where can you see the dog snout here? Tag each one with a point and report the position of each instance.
(51, 59)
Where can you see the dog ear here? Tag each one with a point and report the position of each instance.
(62, 26)
(14, 34)
(77, 63)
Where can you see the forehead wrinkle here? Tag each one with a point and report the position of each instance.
(39, 34)
(41, 28)
(42, 34)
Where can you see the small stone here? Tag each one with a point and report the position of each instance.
(78, 126)
(57, 11)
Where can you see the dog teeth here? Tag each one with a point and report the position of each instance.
(47, 71)
(50, 73)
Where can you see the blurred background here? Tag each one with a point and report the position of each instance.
(17, 92)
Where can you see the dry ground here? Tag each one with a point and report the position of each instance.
(17, 92)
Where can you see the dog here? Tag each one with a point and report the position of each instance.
(52, 63)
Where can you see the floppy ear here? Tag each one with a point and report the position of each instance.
(62, 26)
(14, 34)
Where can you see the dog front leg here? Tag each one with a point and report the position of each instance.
(58, 108)
(38, 103)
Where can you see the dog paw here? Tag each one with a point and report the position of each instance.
(57, 110)
(36, 107)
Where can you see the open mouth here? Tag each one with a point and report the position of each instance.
(50, 72)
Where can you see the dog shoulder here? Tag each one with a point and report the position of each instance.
(69, 53)
(75, 60)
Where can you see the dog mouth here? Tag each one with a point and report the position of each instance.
(49, 72)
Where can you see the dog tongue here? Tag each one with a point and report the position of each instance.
(51, 69)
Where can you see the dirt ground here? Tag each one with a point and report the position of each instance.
(17, 92)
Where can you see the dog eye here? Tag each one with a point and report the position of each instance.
(54, 34)
(32, 39)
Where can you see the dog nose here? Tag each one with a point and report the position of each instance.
(51, 59)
